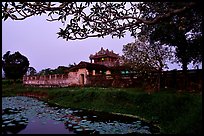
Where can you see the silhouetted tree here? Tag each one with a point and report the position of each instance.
(185, 39)
(183, 31)
(97, 19)
(31, 71)
(46, 71)
(14, 65)
(58, 70)
(144, 57)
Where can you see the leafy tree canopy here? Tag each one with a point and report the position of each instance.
(59, 70)
(143, 56)
(46, 71)
(183, 31)
(31, 71)
(97, 19)
(14, 65)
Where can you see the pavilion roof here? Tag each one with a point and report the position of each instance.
(104, 53)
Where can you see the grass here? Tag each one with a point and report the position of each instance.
(175, 113)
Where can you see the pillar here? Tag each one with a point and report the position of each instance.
(94, 72)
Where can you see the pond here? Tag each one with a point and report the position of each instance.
(25, 115)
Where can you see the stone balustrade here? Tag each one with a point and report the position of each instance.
(57, 80)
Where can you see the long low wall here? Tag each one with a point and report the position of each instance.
(169, 79)
(62, 80)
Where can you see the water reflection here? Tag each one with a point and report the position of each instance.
(45, 119)
(37, 126)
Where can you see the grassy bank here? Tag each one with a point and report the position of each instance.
(179, 113)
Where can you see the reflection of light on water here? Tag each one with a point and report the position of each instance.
(37, 126)
(42, 119)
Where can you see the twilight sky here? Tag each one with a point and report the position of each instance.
(36, 39)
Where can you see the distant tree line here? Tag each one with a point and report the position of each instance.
(58, 70)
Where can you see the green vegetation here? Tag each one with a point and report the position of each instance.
(175, 113)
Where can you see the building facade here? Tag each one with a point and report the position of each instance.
(107, 70)
(103, 62)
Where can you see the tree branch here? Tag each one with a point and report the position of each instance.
(106, 17)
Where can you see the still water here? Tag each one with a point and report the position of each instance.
(25, 115)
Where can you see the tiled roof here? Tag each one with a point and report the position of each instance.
(104, 53)
(88, 65)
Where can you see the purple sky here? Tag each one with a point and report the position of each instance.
(36, 38)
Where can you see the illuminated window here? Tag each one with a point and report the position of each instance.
(122, 72)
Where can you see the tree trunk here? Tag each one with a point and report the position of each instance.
(159, 79)
(185, 77)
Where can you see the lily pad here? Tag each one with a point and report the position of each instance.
(11, 125)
